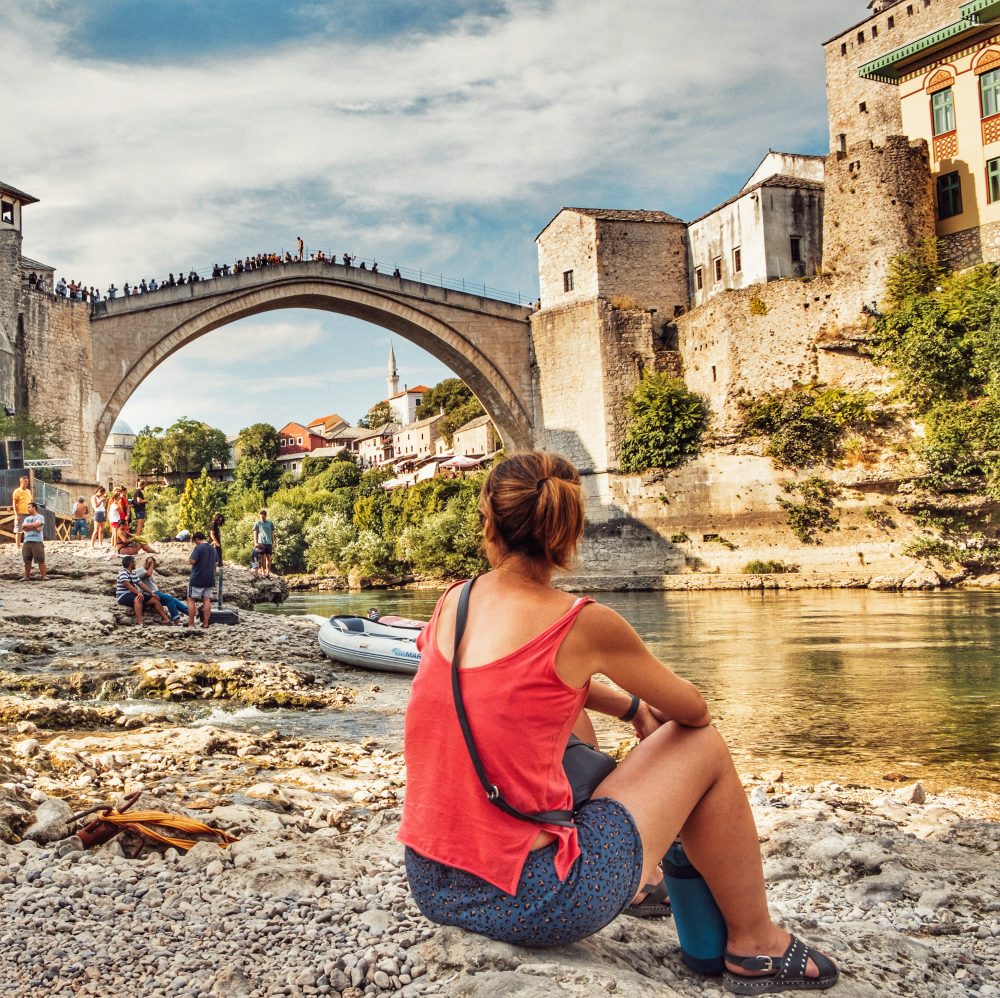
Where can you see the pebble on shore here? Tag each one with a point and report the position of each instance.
(900, 885)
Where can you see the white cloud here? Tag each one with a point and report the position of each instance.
(447, 151)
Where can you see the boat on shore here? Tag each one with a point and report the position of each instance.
(388, 644)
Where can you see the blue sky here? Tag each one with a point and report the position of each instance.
(441, 134)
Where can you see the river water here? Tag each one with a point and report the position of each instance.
(848, 685)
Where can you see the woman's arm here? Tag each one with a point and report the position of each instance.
(602, 641)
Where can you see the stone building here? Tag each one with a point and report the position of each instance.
(929, 70)
(115, 465)
(476, 438)
(771, 229)
(633, 257)
(12, 326)
(416, 441)
(860, 108)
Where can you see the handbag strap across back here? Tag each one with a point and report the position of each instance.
(493, 793)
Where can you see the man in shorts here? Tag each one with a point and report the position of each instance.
(20, 499)
(78, 531)
(263, 536)
(32, 526)
(201, 584)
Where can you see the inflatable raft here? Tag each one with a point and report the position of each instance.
(388, 644)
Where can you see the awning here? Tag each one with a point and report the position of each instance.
(460, 462)
(890, 67)
(427, 471)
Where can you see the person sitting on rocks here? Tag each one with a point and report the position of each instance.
(129, 544)
(525, 671)
(147, 581)
(128, 592)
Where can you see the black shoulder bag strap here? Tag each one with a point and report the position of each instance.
(493, 794)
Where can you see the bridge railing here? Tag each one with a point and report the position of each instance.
(431, 278)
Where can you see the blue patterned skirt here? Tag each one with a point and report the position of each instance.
(545, 911)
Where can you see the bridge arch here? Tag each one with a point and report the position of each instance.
(485, 342)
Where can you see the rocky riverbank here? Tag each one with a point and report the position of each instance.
(902, 888)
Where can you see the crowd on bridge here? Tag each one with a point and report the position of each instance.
(76, 291)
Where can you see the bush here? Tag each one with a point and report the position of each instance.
(768, 568)
(162, 512)
(806, 424)
(664, 424)
(446, 544)
(962, 446)
(813, 512)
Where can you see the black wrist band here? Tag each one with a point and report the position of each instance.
(633, 709)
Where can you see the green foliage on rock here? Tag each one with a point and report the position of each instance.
(664, 424)
(757, 567)
(809, 507)
(806, 424)
(940, 336)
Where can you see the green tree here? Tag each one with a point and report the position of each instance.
(147, 452)
(257, 475)
(326, 541)
(453, 398)
(37, 435)
(663, 426)
(259, 440)
(378, 415)
(190, 446)
(201, 499)
(162, 512)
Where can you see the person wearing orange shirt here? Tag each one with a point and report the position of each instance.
(20, 499)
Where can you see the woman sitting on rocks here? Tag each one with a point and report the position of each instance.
(128, 543)
(526, 662)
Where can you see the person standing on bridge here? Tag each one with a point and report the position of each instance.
(302, 247)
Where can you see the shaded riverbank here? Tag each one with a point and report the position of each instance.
(312, 899)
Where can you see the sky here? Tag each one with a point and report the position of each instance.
(433, 134)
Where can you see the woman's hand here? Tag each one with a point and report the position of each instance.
(647, 719)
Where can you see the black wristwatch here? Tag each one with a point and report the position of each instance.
(633, 709)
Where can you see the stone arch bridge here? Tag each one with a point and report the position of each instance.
(486, 342)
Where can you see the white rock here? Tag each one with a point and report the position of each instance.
(912, 794)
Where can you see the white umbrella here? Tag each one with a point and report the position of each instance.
(461, 463)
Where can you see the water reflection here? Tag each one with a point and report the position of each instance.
(849, 685)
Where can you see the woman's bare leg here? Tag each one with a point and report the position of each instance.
(681, 781)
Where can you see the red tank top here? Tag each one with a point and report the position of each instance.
(521, 714)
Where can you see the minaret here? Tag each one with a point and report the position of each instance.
(392, 379)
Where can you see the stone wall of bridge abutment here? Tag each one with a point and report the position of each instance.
(85, 366)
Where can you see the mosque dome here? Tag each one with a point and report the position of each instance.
(123, 428)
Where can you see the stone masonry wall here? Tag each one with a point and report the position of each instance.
(879, 203)
(645, 262)
(58, 364)
(568, 243)
(769, 337)
(980, 244)
(568, 383)
(10, 309)
(587, 359)
(846, 92)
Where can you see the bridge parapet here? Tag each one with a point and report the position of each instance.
(326, 270)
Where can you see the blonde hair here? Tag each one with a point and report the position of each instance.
(532, 504)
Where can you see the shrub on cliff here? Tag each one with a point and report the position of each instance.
(806, 424)
(664, 424)
(810, 507)
(943, 342)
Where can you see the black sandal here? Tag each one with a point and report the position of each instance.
(783, 973)
(655, 904)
